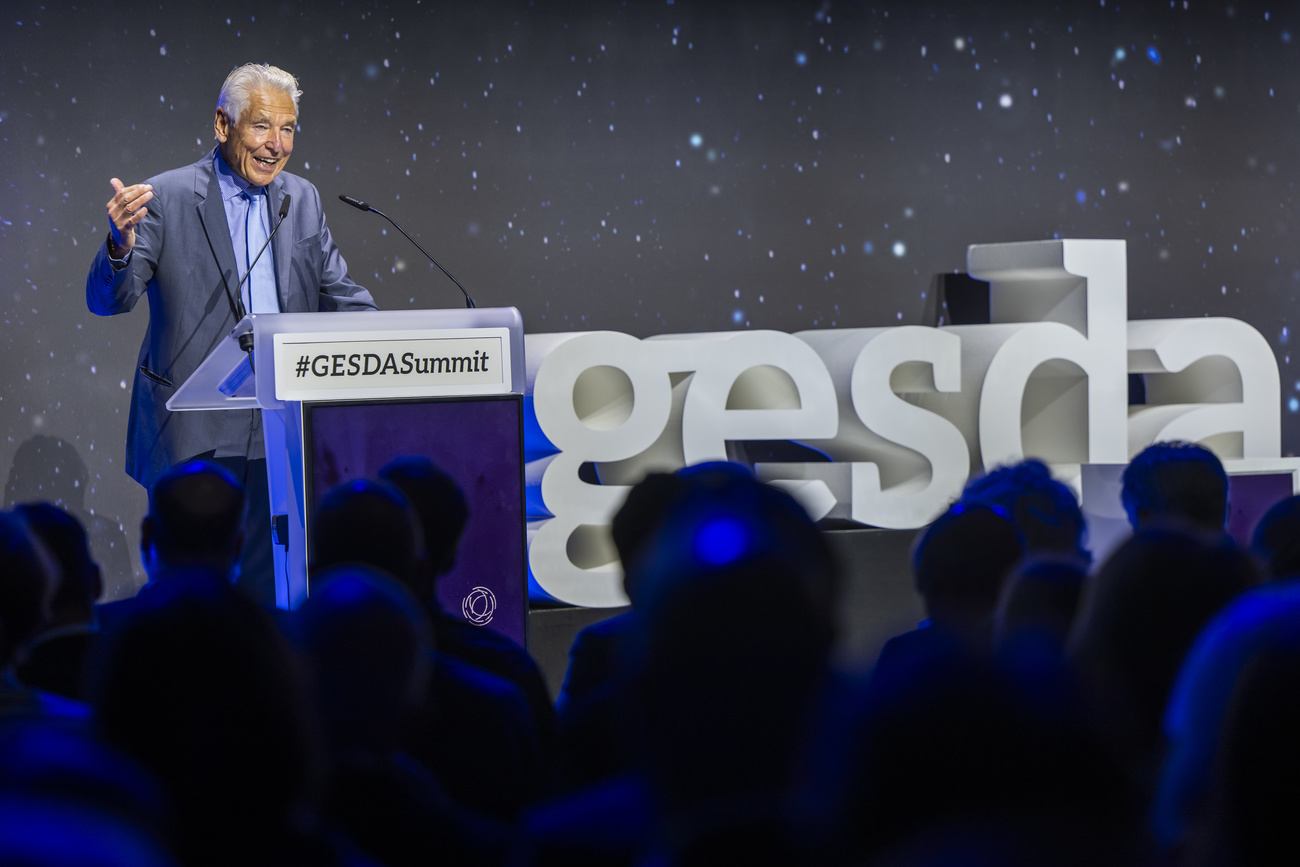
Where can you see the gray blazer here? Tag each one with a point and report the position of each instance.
(183, 259)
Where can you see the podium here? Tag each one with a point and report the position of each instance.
(341, 394)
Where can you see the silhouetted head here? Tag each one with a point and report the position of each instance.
(40, 832)
(439, 506)
(960, 562)
(101, 798)
(368, 641)
(962, 743)
(199, 686)
(735, 626)
(641, 514)
(1142, 612)
(367, 523)
(195, 520)
(1276, 540)
(1041, 597)
(719, 518)
(1256, 793)
(79, 578)
(1044, 510)
(1176, 481)
(1212, 677)
(28, 580)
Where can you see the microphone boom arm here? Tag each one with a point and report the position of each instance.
(469, 302)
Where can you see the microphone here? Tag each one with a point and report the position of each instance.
(362, 206)
(246, 340)
(284, 212)
(236, 301)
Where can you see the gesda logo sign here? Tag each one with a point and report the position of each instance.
(905, 414)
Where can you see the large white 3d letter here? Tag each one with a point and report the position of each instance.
(610, 400)
(748, 385)
(1055, 383)
(903, 413)
(598, 397)
(1212, 381)
(905, 464)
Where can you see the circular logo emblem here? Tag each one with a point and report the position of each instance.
(479, 606)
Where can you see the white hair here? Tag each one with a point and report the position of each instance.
(250, 78)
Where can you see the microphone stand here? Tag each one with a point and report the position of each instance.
(246, 339)
(362, 206)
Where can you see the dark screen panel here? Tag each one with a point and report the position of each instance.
(477, 443)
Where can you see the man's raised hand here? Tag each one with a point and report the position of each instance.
(125, 211)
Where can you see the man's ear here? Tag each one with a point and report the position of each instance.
(222, 126)
(1139, 518)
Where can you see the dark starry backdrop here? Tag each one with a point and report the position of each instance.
(649, 167)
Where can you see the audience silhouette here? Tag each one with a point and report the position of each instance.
(593, 704)
(1043, 509)
(1255, 790)
(369, 646)
(442, 513)
(1276, 540)
(67, 800)
(1040, 599)
(1140, 617)
(1175, 482)
(959, 564)
(199, 687)
(1137, 711)
(55, 658)
(28, 581)
(194, 526)
(371, 523)
(1194, 721)
(736, 596)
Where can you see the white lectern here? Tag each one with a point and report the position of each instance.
(341, 367)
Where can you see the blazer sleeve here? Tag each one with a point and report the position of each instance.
(337, 289)
(110, 290)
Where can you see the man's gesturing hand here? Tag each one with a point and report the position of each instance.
(125, 211)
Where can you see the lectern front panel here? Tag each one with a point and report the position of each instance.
(478, 442)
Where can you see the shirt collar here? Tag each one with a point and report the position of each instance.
(232, 185)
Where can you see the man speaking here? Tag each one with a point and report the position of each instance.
(187, 238)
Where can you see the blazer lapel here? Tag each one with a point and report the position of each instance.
(282, 243)
(212, 214)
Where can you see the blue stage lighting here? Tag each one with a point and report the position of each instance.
(720, 540)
